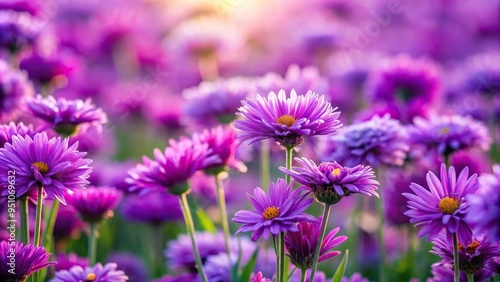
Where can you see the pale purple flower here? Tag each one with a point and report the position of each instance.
(96, 273)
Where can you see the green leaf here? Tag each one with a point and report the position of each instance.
(247, 271)
(201, 220)
(341, 269)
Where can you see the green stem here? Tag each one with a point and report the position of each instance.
(381, 242)
(282, 256)
(265, 170)
(303, 275)
(190, 229)
(157, 249)
(48, 235)
(25, 230)
(221, 201)
(279, 258)
(447, 160)
(470, 277)
(92, 251)
(38, 223)
(288, 163)
(456, 269)
(324, 223)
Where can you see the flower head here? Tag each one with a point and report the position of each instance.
(96, 273)
(14, 88)
(443, 205)
(172, 168)
(300, 246)
(17, 30)
(43, 162)
(379, 141)
(24, 259)
(442, 271)
(287, 120)
(151, 208)
(132, 265)
(12, 129)
(96, 203)
(355, 277)
(330, 182)
(484, 211)
(276, 212)
(67, 224)
(67, 261)
(64, 116)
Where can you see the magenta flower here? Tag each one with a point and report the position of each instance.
(64, 116)
(443, 205)
(330, 182)
(287, 120)
(43, 162)
(12, 129)
(96, 203)
(27, 260)
(96, 273)
(17, 30)
(150, 208)
(300, 246)
(172, 168)
(276, 212)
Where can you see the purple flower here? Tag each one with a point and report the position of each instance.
(473, 254)
(43, 162)
(258, 277)
(330, 182)
(287, 120)
(355, 277)
(151, 208)
(96, 203)
(319, 276)
(64, 116)
(222, 142)
(14, 88)
(34, 7)
(218, 267)
(483, 73)
(66, 262)
(379, 141)
(484, 211)
(447, 134)
(133, 266)
(443, 272)
(172, 168)
(12, 129)
(44, 68)
(443, 205)
(276, 212)
(300, 246)
(17, 30)
(18, 261)
(96, 273)
(68, 225)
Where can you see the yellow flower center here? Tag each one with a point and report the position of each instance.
(90, 277)
(271, 212)
(448, 205)
(336, 172)
(444, 130)
(42, 167)
(287, 120)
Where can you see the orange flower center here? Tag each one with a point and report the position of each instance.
(90, 277)
(448, 205)
(271, 212)
(287, 120)
(42, 167)
(471, 248)
(444, 130)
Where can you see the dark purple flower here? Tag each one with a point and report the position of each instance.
(287, 120)
(379, 141)
(473, 254)
(65, 116)
(17, 30)
(18, 261)
(68, 225)
(43, 162)
(172, 168)
(300, 246)
(34, 7)
(484, 210)
(133, 266)
(443, 205)
(67, 261)
(44, 68)
(412, 86)
(95, 203)
(330, 182)
(153, 208)
(483, 73)
(447, 134)
(12, 129)
(443, 272)
(276, 212)
(223, 143)
(355, 277)
(14, 89)
(96, 273)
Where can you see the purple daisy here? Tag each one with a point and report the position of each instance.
(68, 225)
(484, 211)
(172, 168)
(46, 68)
(65, 116)
(287, 120)
(150, 208)
(96, 273)
(14, 88)
(330, 182)
(18, 261)
(67, 261)
(276, 212)
(300, 246)
(473, 254)
(95, 203)
(447, 134)
(223, 143)
(17, 30)
(379, 141)
(443, 272)
(483, 73)
(43, 162)
(12, 129)
(132, 265)
(443, 205)
(355, 277)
